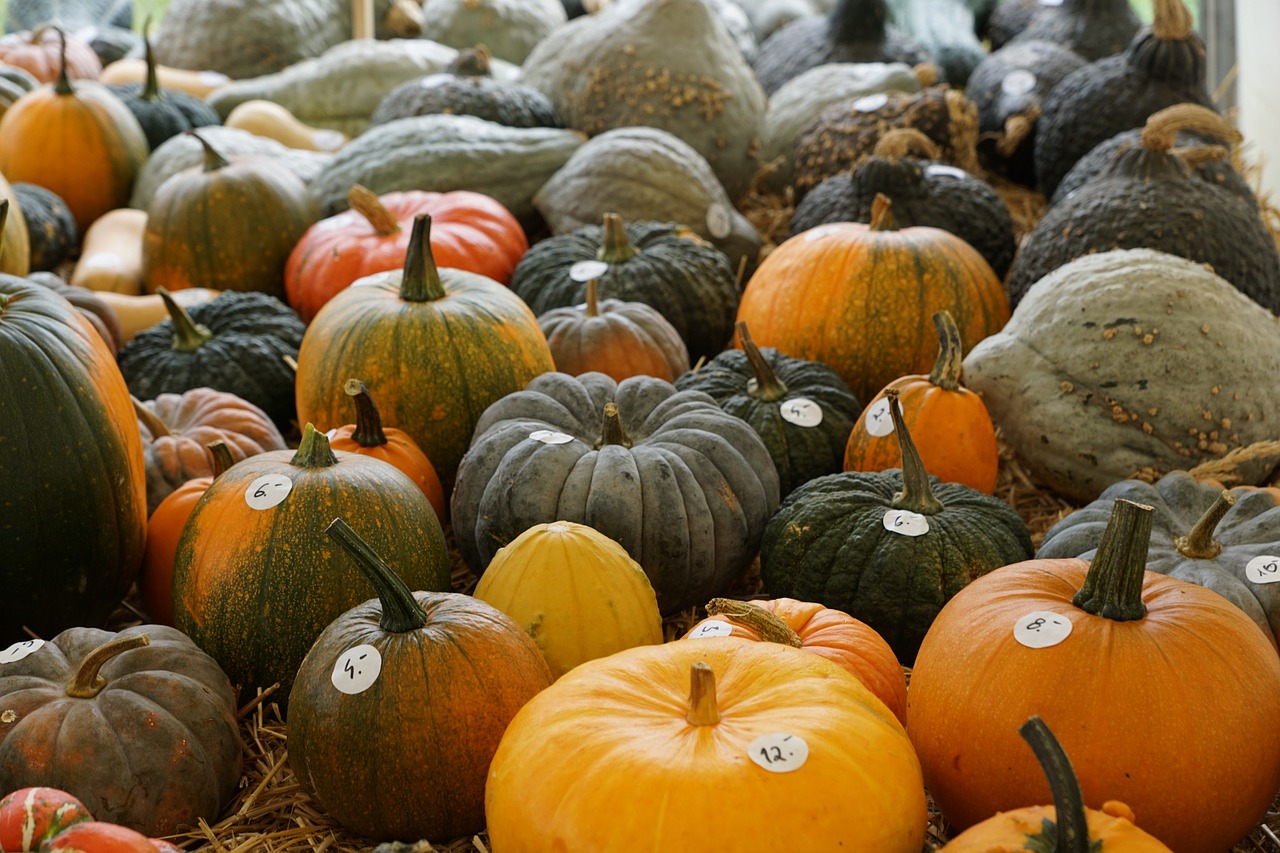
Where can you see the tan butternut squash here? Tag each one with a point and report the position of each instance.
(137, 313)
(111, 254)
(269, 119)
(197, 83)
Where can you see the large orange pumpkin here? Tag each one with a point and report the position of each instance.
(859, 297)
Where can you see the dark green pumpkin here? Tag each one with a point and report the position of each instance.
(51, 226)
(112, 44)
(91, 306)
(1091, 29)
(236, 343)
(684, 486)
(163, 113)
(889, 548)
(665, 266)
(802, 410)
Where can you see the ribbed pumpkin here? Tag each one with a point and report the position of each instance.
(255, 587)
(859, 298)
(99, 836)
(368, 437)
(469, 231)
(43, 52)
(949, 423)
(437, 346)
(51, 226)
(575, 591)
(91, 306)
(831, 634)
(664, 737)
(15, 242)
(225, 226)
(163, 113)
(616, 338)
(1163, 693)
(80, 142)
(31, 816)
(413, 689)
(74, 504)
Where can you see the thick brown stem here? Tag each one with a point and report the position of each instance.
(401, 612)
(88, 682)
(615, 248)
(1172, 21)
(916, 495)
(421, 280)
(593, 297)
(368, 431)
(63, 86)
(405, 20)
(1199, 544)
(703, 710)
(904, 141)
(768, 386)
(221, 457)
(150, 419)
(767, 626)
(1160, 133)
(1072, 826)
(948, 366)
(188, 335)
(612, 432)
(314, 450)
(213, 161)
(1113, 587)
(471, 62)
(365, 202)
(882, 214)
(1016, 130)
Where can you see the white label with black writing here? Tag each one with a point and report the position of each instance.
(779, 752)
(550, 436)
(357, 669)
(1264, 569)
(711, 628)
(906, 522)
(819, 232)
(18, 651)
(1018, 83)
(1041, 629)
(719, 222)
(871, 103)
(879, 420)
(268, 491)
(584, 271)
(939, 171)
(801, 411)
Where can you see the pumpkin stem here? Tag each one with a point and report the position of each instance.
(314, 450)
(903, 141)
(221, 455)
(882, 214)
(1113, 587)
(766, 625)
(857, 21)
(63, 86)
(213, 161)
(593, 298)
(613, 432)
(1160, 133)
(368, 422)
(947, 369)
(615, 248)
(421, 280)
(401, 612)
(188, 335)
(87, 682)
(471, 62)
(1199, 544)
(1072, 830)
(365, 202)
(150, 92)
(150, 419)
(768, 386)
(703, 710)
(1171, 21)
(916, 495)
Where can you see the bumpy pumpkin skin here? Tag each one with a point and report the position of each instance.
(51, 227)
(1112, 827)
(29, 816)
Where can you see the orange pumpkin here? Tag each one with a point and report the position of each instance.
(858, 297)
(40, 54)
(949, 424)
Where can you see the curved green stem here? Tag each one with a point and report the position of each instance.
(401, 612)
(615, 248)
(314, 450)
(1199, 544)
(150, 92)
(947, 369)
(1113, 587)
(916, 495)
(63, 86)
(768, 386)
(87, 681)
(768, 626)
(188, 335)
(421, 280)
(368, 431)
(213, 161)
(613, 432)
(1072, 829)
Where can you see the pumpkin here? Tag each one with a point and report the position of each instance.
(134, 70)
(858, 298)
(176, 429)
(946, 30)
(949, 424)
(91, 306)
(616, 338)
(111, 43)
(1133, 647)
(75, 14)
(1200, 533)
(163, 113)
(470, 231)
(100, 837)
(235, 343)
(575, 591)
(225, 226)
(831, 634)
(802, 410)
(139, 725)
(41, 52)
(253, 581)
(1092, 29)
(1066, 825)
(75, 500)
(702, 723)
(14, 83)
(368, 437)
(510, 28)
(460, 342)
(31, 816)
(665, 266)
(139, 313)
(683, 486)
(435, 676)
(164, 529)
(80, 142)
(888, 548)
(51, 226)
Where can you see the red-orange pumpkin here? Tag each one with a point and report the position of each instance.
(30, 816)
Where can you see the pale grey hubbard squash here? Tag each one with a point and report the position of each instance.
(72, 15)
(735, 20)
(669, 64)
(1130, 361)
(509, 28)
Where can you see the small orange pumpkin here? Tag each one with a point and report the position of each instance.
(40, 54)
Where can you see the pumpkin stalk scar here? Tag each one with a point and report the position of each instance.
(1200, 543)
(703, 710)
(1113, 587)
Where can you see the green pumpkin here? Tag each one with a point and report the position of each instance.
(51, 226)
(163, 113)
(888, 548)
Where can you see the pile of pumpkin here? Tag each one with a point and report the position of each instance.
(259, 369)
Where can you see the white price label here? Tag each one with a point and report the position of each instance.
(550, 436)
(939, 171)
(212, 78)
(100, 260)
(879, 420)
(584, 271)
(1264, 569)
(819, 232)
(268, 491)
(435, 81)
(719, 222)
(328, 140)
(801, 411)
(711, 628)
(357, 669)
(1018, 83)
(18, 651)
(1041, 629)
(331, 434)
(871, 103)
(779, 752)
(1050, 2)
(906, 522)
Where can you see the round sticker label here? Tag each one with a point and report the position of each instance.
(711, 628)
(20, 650)
(1017, 83)
(1050, 2)
(268, 491)
(871, 103)
(906, 522)
(801, 411)
(938, 171)
(1264, 569)
(719, 223)
(550, 436)
(879, 420)
(779, 752)
(356, 669)
(584, 271)
(818, 233)
(212, 78)
(1041, 629)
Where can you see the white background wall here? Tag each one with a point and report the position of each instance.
(1258, 86)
